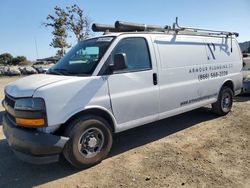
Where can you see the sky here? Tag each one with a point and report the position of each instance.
(21, 29)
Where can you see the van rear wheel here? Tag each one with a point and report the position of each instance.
(224, 103)
(90, 140)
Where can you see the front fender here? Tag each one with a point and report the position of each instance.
(94, 108)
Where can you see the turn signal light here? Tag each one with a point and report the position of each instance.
(30, 122)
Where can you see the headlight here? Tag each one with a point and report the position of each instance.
(30, 104)
(30, 112)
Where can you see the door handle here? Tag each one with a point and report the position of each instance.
(154, 78)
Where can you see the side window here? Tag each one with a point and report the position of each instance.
(137, 53)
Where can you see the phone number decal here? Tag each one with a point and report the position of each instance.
(211, 71)
(206, 76)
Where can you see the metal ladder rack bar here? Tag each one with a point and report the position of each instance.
(103, 28)
(121, 26)
(177, 28)
(128, 26)
(135, 27)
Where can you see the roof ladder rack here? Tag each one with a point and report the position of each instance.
(177, 28)
(103, 28)
(120, 26)
(209, 32)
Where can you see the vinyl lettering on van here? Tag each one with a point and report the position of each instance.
(218, 71)
(198, 99)
(206, 68)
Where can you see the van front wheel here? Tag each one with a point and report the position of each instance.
(224, 103)
(90, 140)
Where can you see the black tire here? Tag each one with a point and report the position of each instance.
(87, 134)
(224, 103)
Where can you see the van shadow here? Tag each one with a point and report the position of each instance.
(148, 133)
(15, 173)
(242, 98)
(1, 117)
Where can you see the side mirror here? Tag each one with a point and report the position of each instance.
(119, 62)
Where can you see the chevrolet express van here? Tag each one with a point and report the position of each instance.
(125, 78)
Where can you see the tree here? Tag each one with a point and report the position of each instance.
(65, 21)
(17, 60)
(78, 23)
(58, 22)
(6, 58)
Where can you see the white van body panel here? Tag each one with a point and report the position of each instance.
(190, 74)
(176, 56)
(220, 55)
(133, 95)
(65, 99)
(128, 102)
(25, 87)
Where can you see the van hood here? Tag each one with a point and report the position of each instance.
(25, 87)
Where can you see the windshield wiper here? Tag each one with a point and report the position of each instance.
(60, 72)
(65, 72)
(81, 74)
(54, 72)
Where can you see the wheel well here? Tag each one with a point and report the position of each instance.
(94, 111)
(229, 84)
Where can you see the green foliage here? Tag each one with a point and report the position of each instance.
(58, 22)
(6, 58)
(64, 21)
(18, 59)
(78, 23)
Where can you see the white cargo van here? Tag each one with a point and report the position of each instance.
(132, 75)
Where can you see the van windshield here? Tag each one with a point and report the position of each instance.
(82, 59)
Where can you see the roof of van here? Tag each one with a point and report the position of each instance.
(115, 34)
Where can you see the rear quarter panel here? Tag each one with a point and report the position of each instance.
(190, 74)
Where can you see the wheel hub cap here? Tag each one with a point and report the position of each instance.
(226, 102)
(92, 142)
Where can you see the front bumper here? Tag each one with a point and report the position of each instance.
(33, 146)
